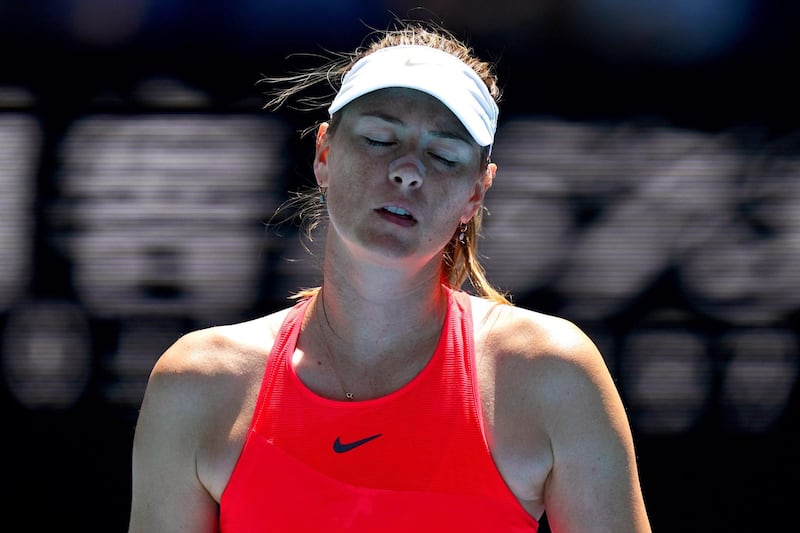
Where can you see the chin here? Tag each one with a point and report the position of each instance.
(392, 248)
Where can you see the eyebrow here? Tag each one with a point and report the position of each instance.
(442, 134)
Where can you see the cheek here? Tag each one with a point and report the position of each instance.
(468, 201)
(351, 168)
(451, 213)
(348, 182)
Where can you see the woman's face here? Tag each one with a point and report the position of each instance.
(402, 173)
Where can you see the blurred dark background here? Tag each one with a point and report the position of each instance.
(649, 190)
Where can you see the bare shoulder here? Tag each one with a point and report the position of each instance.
(208, 368)
(215, 352)
(200, 398)
(545, 371)
(200, 384)
(552, 346)
(193, 419)
(559, 428)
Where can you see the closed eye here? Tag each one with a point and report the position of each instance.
(375, 142)
(446, 162)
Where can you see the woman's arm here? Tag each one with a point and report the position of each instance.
(168, 496)
(594, 482)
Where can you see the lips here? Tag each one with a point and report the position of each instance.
(397, 214)
(399, 211)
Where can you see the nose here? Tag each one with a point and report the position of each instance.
(407, 172)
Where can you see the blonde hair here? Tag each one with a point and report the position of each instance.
(460, 256)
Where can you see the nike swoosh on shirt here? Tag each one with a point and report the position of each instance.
(342, 447)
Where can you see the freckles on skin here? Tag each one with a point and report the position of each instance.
(355, 167)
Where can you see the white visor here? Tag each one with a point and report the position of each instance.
(432, 71)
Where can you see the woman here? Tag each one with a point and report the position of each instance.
(388, 399)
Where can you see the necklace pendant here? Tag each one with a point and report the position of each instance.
(349, 396)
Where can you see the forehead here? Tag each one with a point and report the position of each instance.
(407, 105)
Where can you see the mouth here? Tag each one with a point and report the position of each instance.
(397, 213)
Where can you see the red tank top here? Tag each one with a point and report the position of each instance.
(413, 460)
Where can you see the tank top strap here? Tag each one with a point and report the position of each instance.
(284, 344)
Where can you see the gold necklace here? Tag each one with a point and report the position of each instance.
(347, 394)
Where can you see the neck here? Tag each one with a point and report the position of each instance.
(374, 307)
(369, 316)
(374, 324)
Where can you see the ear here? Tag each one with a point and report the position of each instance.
(488, 177)
(478, 194)
(321, 155)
